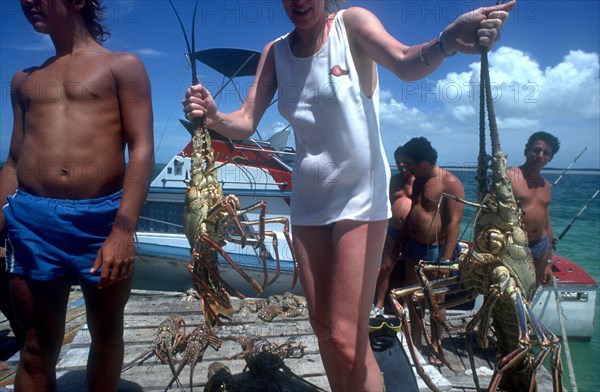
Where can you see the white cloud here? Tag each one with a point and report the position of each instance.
(572, 86)
(463, 113)
(519, 86)
(561, 99)
(518, 123)
(385, 94)
(150, 53)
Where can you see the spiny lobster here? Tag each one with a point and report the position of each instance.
(167, 343)
(195, 345)
(212, 219)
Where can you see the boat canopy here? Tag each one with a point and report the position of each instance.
(233, 63)
(230, 62)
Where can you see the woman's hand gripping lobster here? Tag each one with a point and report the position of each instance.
(212, 219)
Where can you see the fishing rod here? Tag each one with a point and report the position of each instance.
(572, 163)
(587, 203)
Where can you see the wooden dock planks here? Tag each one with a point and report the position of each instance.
(146, 309)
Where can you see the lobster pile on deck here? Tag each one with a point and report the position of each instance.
(264, 358)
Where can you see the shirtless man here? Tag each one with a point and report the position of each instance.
(400, 198)
(71, 202)
(432, 233)
(533, 194)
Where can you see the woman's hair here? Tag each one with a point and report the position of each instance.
(333, 5)
(93, 14)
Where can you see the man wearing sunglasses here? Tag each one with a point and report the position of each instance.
(533, 194)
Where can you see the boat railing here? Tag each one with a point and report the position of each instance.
(161, 222)
(270, 152)
(223, 182)
(276, 147)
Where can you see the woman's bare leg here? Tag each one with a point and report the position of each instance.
(338, 272)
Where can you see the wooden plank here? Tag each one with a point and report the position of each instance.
(144, 330)
(175, 305)
(153, 375)
(74, 381)
(194, 319)
(145, 311)
(78, 355)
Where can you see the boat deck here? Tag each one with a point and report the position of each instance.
(146, 309)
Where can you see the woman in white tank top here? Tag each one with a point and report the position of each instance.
(325, 71)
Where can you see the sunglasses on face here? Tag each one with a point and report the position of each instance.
(537, 150)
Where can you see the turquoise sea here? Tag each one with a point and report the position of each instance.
(580, 244)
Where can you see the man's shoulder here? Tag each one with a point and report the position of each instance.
(116, 58)
(124, 64)
(449, 177)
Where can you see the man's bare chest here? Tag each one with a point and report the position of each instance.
(75, 83)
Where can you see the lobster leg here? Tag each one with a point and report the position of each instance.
(515, 357)
(480, 318)
(139, 359)
(228, 258)
(176, 374)
(399, 310)
(549, 343)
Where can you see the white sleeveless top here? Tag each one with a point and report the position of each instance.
(341, 171)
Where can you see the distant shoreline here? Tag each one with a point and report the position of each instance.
(552, 170)
(547, 170)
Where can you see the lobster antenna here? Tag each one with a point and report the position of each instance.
(485, 74)
(482, 159)
(485, 70)
(193, 51)
(191, 48)
(485, 97)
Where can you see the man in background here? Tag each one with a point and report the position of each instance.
(433, 226)
(533, 194)
(400, 195)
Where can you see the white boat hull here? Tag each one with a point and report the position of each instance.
(162, 261)
(578, 303)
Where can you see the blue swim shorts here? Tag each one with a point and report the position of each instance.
(50, 238)
(539, 247)
(428, 252)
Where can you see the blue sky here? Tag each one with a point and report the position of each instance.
(545, 70)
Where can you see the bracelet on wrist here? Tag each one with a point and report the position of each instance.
(550, 262)
(441, 45)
